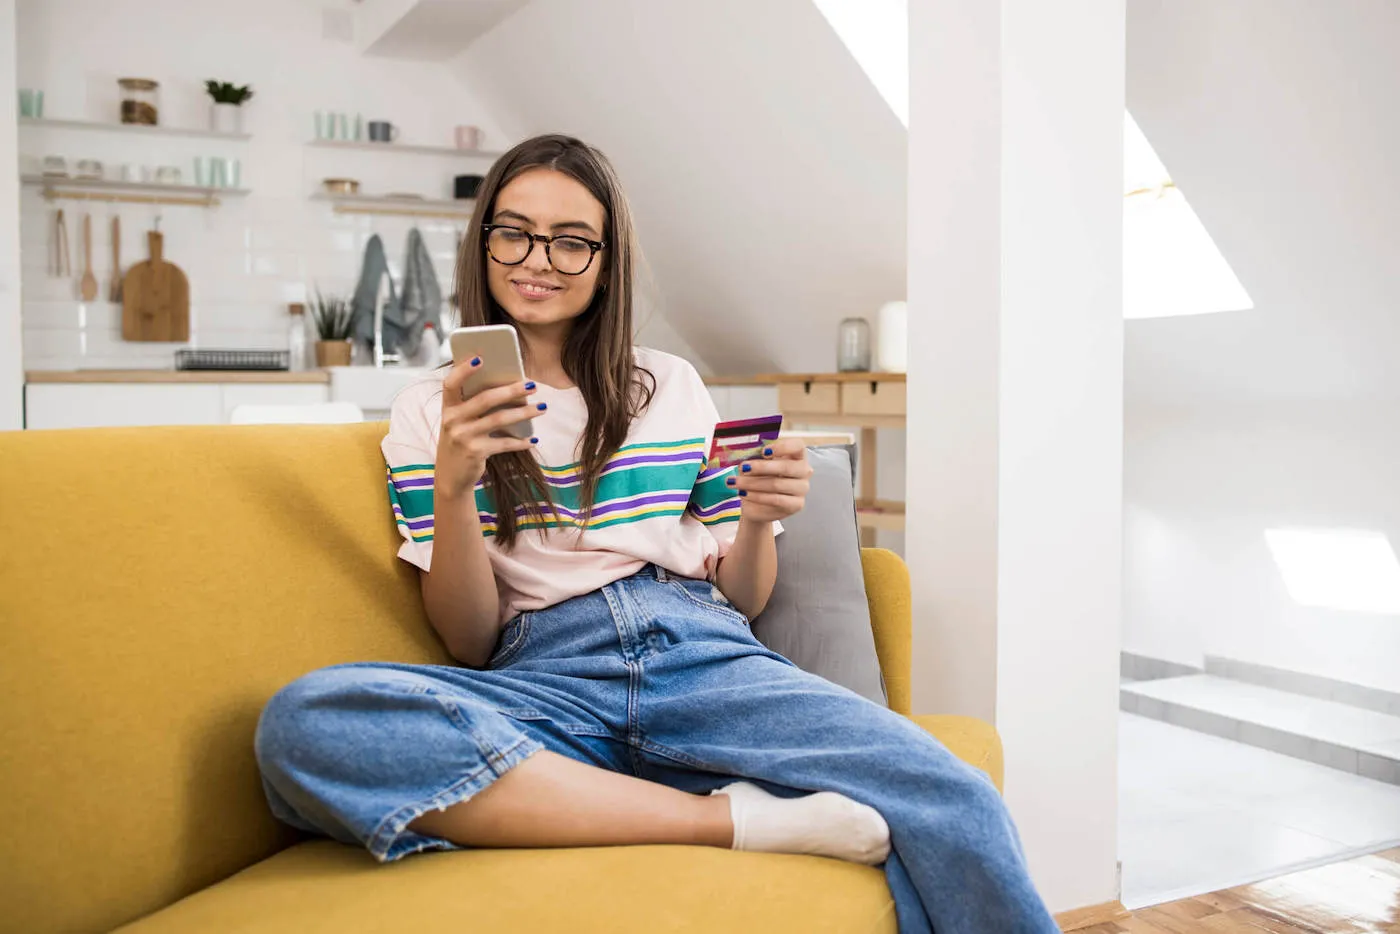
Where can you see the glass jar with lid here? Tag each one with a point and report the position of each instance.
(853, 346)
(140, 101)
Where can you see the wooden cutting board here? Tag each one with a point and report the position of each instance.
(155, 298)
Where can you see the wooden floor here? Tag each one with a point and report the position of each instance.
(1361, 896)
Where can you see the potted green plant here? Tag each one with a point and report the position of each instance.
(332, 320)
(226, 113)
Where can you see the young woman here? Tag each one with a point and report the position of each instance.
(596, 582)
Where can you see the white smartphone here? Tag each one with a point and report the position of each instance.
(498, 346)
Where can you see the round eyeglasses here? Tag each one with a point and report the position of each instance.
(569, 254)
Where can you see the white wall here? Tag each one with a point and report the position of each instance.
(250, 256)
(1015, 405)
(1201, 487)
(11, 368)
(1277, 118)
(765, 170)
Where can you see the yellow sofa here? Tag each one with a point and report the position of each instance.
(157, 585)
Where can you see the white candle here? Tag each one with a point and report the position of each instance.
(892, 339)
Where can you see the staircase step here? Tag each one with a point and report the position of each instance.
(1364, 742)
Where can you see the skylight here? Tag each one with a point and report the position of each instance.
(1338, 569)
(1171, 266)
(877, 34)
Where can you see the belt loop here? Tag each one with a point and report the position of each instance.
(661, 573)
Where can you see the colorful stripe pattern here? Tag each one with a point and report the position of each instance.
(711, 501)
(641, 481)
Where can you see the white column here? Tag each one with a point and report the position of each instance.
(1015, 404)
(11, 363)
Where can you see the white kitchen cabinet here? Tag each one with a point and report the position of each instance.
(105, 405)
(101, 405)
(236, 394)
(744, 401)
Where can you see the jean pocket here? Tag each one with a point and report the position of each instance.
(511, 641)
(707, 595)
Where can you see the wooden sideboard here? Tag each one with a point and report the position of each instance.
(864, 401)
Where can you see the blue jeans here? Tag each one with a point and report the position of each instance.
(653, 676)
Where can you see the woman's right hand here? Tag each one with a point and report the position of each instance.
(466, 439)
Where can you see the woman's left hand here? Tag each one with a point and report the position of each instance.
(774, 486)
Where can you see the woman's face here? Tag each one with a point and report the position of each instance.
(534, 293)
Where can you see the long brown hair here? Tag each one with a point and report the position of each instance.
(597, 354)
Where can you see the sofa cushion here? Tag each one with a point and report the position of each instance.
(161, 587)
(321, 886)
(818, 615)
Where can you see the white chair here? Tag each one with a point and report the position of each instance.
(318, 413)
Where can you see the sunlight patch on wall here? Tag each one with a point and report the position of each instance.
(1338, 569)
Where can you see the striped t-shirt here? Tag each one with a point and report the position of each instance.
(656, 503)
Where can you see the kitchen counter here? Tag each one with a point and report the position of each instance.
(176, 376)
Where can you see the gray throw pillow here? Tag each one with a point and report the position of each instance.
(817, 616)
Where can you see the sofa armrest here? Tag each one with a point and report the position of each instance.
(974, 741)
(887, 591)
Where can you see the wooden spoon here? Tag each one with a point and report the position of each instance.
(115, 292)
(88, 287)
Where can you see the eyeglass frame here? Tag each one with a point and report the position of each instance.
(594, 247)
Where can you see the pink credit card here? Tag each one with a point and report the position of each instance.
(742, 439)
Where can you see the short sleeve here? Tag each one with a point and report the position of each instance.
(410, 450)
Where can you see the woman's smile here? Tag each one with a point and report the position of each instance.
(535, 290)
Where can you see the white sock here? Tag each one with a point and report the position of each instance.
(822, 824)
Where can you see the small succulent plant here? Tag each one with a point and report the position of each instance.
(226, 92)
(332, 317)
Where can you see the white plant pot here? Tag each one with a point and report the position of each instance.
(226, 118)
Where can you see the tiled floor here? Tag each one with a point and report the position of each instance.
(1198, 813)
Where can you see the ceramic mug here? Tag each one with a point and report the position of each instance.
(382, 131)
(467, 137)
(31, 103)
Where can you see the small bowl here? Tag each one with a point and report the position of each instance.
(88, 169)
(465, 187)
(168, 175)
(341, 186)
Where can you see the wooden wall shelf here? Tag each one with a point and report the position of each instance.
(55, 188)
(398, 207)
(136, 129)
(368, 145)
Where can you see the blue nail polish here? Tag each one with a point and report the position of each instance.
(541, 406)
(767, 452)
(534, 440)
(730, 482)
(746, 468)
(529, 386)
(476, 361)
(743, 492)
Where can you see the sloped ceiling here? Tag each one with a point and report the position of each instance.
(766, 172)
(1278, 119)
(767, 175)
